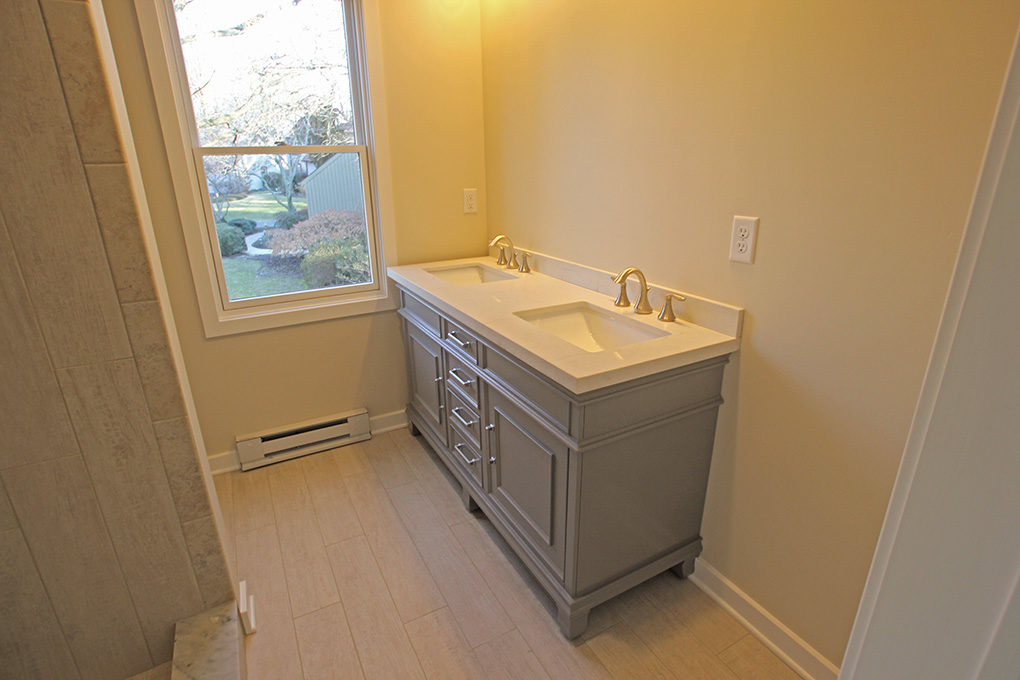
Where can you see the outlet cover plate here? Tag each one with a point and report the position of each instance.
(744, 239)
(470, 201)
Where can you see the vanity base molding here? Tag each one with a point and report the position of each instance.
(596, 493)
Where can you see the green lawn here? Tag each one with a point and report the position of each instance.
(248, 277)
(260, 205)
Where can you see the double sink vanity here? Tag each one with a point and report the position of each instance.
(582, 429)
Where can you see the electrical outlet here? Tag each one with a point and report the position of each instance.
(744, 239)
(470, 201)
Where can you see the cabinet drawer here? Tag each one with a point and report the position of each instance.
(420, 313)
(462, 378)
(465, 453)
(460, 340)
(465, 416)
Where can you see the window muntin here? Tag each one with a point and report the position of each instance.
(278, 136)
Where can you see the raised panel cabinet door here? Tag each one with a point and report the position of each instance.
(528, 478)
(425, 369)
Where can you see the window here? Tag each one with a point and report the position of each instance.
(276, 196)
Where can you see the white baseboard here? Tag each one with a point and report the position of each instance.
(384, 422)
(227, 461)
(220, 463)
(787, 645)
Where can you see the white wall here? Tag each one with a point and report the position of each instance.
(949, 555)
(629, 134)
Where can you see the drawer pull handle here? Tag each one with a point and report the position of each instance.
(453, 374)
(453, 335)
(469, 461)
(465, 423)
(490, 427)
(439, 379)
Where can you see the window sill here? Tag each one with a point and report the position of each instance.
(219, 323)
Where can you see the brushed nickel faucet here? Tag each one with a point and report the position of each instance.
(667, 314)
(642, 306)
(524, 268)
(508, 263)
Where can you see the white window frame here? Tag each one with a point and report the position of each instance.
(220, 315)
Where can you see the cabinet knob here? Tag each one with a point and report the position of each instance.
(492, 459)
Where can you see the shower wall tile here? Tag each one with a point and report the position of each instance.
(117, 441)
(7, 519)
(207, 560)
(32, 414)
(181, 462)
(122, 234)
(54, 232)
(155, 363)
(64, 529)
(41, 652)
(81, 74)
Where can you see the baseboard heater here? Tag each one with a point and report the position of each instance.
(303, 438)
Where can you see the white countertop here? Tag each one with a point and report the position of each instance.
(487, 309)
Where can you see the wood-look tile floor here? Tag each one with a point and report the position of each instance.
(364, 564)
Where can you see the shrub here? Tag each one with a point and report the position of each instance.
(231, 240)
(249, 227)
(352, 262)
(319, 267)
(286, 220)
(336, 263)
(328, 226)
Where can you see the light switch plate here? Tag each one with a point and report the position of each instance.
(744, 239)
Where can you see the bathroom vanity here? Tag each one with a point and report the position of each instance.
(582, 431)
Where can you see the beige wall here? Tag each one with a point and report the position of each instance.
(433, 111)
(107, 534)
(623, 134)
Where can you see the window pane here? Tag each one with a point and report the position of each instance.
(288, 223)
(267, 71)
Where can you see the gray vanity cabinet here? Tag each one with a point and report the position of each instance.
(528, 478)
(595, 492)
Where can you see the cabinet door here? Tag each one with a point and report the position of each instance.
(425, 369)
(528, 477)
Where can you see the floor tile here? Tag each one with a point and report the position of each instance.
(309, 578)
(326, 645)
(469, 599)
(414, 592)
(442, 650)
(750, 659)
(271, 652)
(334, 510)
(379, 635)
(385, 458)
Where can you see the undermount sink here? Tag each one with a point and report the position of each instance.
(589, 327)
(469, 274)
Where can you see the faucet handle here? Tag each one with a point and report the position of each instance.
(621, 300)
(512, 262)
(524, 268)
(502, 255)
(667, 314)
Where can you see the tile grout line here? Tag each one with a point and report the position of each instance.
(428, 501)
(343, 608)
(372, 550)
